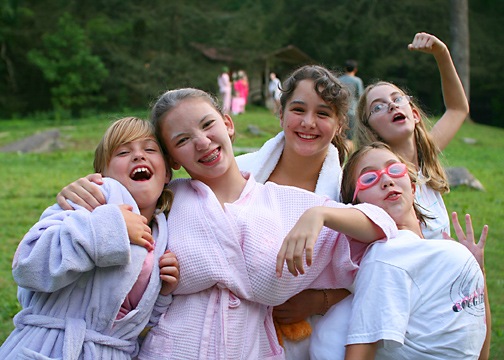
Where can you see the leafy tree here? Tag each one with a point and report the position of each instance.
(66, 61)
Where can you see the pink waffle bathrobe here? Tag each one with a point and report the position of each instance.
(222, 306)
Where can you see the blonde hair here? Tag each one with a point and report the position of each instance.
(349, 180)
(428, 152)
(121, 132)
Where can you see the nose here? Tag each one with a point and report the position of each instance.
(386, 181)
(308, 120)
(392, 105)
(202, 142)
(139, 155)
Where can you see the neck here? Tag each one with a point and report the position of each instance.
(228, 187)
(148, 213)
(300, 171)
(411, 223)
(408, 151)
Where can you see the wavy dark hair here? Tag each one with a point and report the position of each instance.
(331, 90)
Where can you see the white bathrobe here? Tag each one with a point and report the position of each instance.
(261, 164)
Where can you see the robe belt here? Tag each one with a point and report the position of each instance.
(76, 333)
(221, 299)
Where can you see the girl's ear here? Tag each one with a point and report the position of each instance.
(416, 115)
(280, 115)
(173, 164)
(229, 125)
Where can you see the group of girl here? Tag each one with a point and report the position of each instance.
(233, 220)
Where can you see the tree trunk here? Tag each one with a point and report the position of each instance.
(459, 28)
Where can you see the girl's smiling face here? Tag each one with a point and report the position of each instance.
(139, 166)
(397, 122)
(393, 194)
(197, 137)
(308, 121)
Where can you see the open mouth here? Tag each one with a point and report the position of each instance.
(140, 174)
(210, 157)
(393, 195)
(398, 117)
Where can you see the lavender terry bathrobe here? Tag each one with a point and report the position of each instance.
(74, 270)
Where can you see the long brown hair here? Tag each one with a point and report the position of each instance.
(428, 152)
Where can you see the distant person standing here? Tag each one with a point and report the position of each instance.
(274, 91)
(224, 83)
(356, 87)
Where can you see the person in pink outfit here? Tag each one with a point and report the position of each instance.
(225, 89)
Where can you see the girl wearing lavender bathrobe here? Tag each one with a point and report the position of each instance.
(88, 282)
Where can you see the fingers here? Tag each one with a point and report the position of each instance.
(457, 227)
(83, 193)
(126, 207)
(60, 199)
(483, 237)
(469, 228)
(169, 272)
(426, 43)
(95, 178)
(446, 236)
(290, 255)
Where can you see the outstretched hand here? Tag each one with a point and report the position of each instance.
(427, 43)
(467, 239)
(301, 238)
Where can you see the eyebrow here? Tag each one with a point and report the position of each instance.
(175, 136)
(300, 102)
(383, 99)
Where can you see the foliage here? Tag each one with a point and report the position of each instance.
(66, 61)
(21, 203)
(148, 46)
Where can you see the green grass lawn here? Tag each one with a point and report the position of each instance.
(31, 182)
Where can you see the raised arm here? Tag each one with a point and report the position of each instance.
(457, 107)
(82, 192)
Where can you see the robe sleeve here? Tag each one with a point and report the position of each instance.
(65, 244)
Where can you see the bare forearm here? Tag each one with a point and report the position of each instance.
(353, 223)
(453, 90)
(360, 352)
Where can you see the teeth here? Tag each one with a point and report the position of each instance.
(137, 170)
(211, 157)
(307, 136)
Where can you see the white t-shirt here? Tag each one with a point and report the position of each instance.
(432, 205)
(419, 299)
